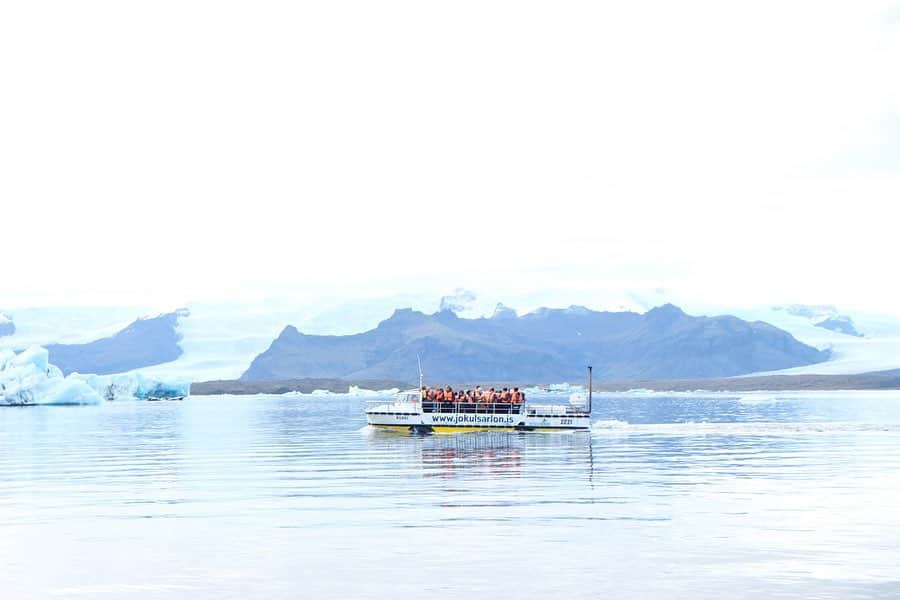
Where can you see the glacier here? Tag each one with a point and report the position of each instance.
(28, 378)
(221, 338)
(7, 327)
(878, 350)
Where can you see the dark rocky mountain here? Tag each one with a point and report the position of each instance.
(544, 346)
(840, 324)
(146, 342)
(7, 327)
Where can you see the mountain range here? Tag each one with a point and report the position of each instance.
(542, 346)
(220, 340)
(143, 343)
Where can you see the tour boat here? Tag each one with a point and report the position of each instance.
(411, 413)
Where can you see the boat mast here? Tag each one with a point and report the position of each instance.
(421, 376)
(590, 388)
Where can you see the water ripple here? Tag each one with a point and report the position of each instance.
(790, 497)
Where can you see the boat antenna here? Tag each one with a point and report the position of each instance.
(421, 376)
(590, 388)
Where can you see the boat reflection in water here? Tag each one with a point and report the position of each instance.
(494, 454)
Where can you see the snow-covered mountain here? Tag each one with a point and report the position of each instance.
(825, 316)
(220, 340)
(144, 343)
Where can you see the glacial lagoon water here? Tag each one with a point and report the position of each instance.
(689, 496)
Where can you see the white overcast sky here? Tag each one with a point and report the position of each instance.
(165, 151)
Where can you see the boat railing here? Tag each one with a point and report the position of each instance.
(502, 408)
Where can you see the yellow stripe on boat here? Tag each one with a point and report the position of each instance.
(464, 429)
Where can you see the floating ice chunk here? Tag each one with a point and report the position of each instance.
(134, 386)
(29, 378)
(556, 388)
(358, 391)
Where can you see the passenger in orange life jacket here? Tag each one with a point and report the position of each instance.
(447, 396)
(478, 394)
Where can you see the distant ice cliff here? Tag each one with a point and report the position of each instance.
(7, 327)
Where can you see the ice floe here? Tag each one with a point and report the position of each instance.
(28, 378)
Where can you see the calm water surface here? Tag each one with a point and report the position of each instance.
(292, 497)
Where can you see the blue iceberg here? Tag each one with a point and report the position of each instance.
(28, 378)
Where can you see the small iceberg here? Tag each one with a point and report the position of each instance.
(135, 386)
(358, 391)
(28, 378)
(556, 388)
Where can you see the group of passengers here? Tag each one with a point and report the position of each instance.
(489, 396)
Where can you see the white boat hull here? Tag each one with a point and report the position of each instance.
(411, 416)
